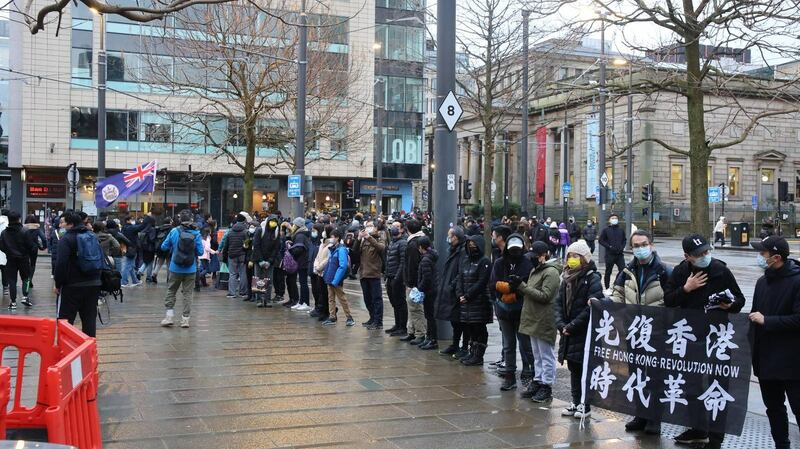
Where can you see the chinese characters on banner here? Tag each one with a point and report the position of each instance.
(678, 366)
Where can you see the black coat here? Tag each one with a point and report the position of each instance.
(501, 270)
(427, 282)
(301, 241)
(14, 242)
(447, 304)
(574, 231)
(572, 314)
(613, 240)
(395, 258)
(234, 242)
(472, 282)
(777, 297)
(411, 267)
(67, 272)
(720, 278)
(266, 246)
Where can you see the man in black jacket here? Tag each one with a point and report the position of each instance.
(17, 247)
(447, 303)
(78, 290)
(233, 251)
(775, 334)
(613, 240)
(417, 326)
(692, 282)
(395, 288)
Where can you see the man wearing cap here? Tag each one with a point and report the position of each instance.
(692, 283)
(775, 334)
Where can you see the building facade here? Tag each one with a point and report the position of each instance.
(54, 120)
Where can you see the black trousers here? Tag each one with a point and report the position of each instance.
(291, 287)
(279, 282)
(80, 301)
(320, 292)
(591, 245)
(458, 332)
(15, 267)
(613, 260)
(774, 393)
(575, 374)
(397, 298)
(429, 308)
(477, 332)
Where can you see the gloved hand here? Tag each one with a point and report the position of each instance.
(514, 281)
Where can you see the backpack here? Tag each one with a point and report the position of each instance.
(184, 255)
(90, 255)
(161, 235)
(289, 263)
(111, 280)
(147, 239)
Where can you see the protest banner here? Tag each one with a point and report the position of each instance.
(678, 366)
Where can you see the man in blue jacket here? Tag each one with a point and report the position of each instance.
(184, 252)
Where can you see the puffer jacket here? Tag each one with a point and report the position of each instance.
(564, 239)
(234, 242)
(301, 242)
(472, 282)
(627, 287)
(447, 304)
(321, 260)
(590, 233)
(337, 265)
(572, 313)
(395, 257)
(538, 310)
(427, 282)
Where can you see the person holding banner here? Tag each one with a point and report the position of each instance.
(580, 282)
(642, 282)
(702, 282)
(538, 319)
(775, 319)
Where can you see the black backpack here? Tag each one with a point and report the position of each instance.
(111, 280)
(147, 239)
(184, 255)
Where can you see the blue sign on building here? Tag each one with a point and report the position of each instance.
(755, 202)
(295, 183)
(566, 188)
(714, 195)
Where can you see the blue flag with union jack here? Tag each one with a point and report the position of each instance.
(138, 180)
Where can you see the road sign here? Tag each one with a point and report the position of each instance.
(424, 195)
(714, 195)
(73, 175)
(451, 111)
(451, 181)
(604, 179)
(755, 202)
(676, 212)
(294, 186)
(566, 188)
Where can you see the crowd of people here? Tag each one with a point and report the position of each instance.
(537, 282)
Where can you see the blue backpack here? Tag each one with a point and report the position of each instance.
(90, 255)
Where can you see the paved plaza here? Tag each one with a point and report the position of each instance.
(243, 377)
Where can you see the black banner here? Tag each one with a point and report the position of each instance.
(678, 366)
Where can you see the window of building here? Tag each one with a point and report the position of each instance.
(81, 63)
(563, 72)
(797, 184)
(401, 145)
(677, 128)
(676, 180)
(408, 5)
(400, 94)
(734, 178)
(710, 176)
(123, 67)
(83, 123)
(768, 184)
(400, 43)
(155, 128)
(122, 125)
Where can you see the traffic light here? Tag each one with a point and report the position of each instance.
(350, 190)
(646, 193)
(467, 189)
(783, 190)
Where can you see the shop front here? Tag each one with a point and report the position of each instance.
(326, 195)
(397, 197)
(265, 196)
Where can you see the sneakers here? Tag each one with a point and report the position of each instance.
(509, 382)
(12, 305)
(692, 436)
(417, 341)
(531, 390)
(229, 296)
(329, 322)
(375, 327)
(27, 302)
(184, 322)
(304, 308)
(408, 338)
(398, 333)
(543, 394)
(367, 323)
(350, 322)
(297, 306)
(264, 305)
(461, 353)
(570, 410)
(582, 412)
(431, 344)
(168, 320)
(450, 350)
(391, 329)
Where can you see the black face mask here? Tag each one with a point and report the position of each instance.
(515, 253)
(473, 251)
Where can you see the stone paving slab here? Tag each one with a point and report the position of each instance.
(242, 377)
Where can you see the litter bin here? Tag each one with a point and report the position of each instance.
(740, 234)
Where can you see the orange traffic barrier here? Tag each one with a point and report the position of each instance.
(5, 392)
(66, 398)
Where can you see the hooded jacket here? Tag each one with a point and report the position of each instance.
(472, 282)
(427, 282)
(563, 235)
(447, 304)
(170, 244)
(36, 236)
(338, 264)
(234, 242)
(572, 313)
(774, 344)
(109, 245)
(67, 272)
(14, 242)
(411, 266)
(3, 226)
(301, 242)
(720, 278)
(371, 250)
(538, 310)
(642, 284)
(266, 242)
(501, 270)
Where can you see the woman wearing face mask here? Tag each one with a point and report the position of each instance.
(472, 282)
(580, 282)
(690, 286)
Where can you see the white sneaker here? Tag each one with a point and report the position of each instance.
(184, 321)
(168, 321)
(303, 308)
(570, 410)
(581, 412)
(296, 306)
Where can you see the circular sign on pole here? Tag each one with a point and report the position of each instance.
(73, 175)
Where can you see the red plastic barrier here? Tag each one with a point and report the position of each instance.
(5, 392)
(66, 400)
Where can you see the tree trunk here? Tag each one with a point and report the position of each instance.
(488, 174)
(698, 147)
(249, 168)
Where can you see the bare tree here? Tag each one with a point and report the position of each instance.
(233, 68)
(490, 35)
(703, 33)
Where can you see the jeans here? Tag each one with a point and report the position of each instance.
(302, 279)
(238, 276)
(119, 264)
(184, 281)
(160, 262)
(129, 271)
(612, 260)
(373, 298)
(775, 393)
(397, 298)
(147, 269)
(575, 374)
(80, 301)
(511, 336)
(544, 361)
(202, 271)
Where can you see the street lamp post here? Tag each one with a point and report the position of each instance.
(101, 99)
(601, 166)
(523, 144)
(300, 144)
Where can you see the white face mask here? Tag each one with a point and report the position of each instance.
(370, 229)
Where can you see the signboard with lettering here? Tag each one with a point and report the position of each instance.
(46, 191)
(294, 190)
(680, 366)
